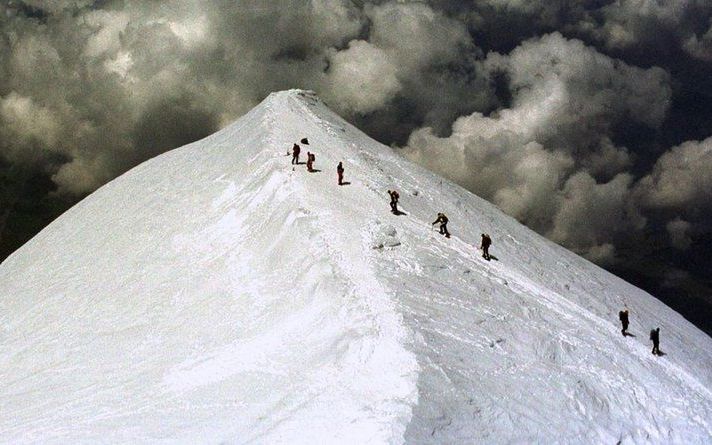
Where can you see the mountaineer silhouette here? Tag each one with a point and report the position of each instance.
(442, 219)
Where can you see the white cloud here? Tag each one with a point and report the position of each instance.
(362, 78)
(561, 86)
(416, 35)
(590, 215)
(549, 160)
(106, 27)
(27, 122)
(681, 178)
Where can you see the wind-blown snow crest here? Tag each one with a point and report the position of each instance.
(217, 293)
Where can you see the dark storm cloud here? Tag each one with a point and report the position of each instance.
(560, 112)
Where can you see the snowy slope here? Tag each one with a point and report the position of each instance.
(214, 294)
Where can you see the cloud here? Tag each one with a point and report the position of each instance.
(700, 46)
(563, 80)
(678, 230)
(416, 35)
(549, 159)
(628, 22)
(648, 30)
(591, 215)
(27, 124)
(681, 179)
(485, 156)
(362, 78)
(435, 58)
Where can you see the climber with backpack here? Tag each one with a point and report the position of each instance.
(623, 317)
(310, 161)
(442, 219)
(394, 201)
(486, 243)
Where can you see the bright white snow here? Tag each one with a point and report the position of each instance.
(215, 294)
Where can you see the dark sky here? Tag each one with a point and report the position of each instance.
(589, 121)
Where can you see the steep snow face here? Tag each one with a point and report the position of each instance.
(217, 293)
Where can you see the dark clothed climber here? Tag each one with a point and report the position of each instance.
(623, 317)
(655, 337)
(340, 173)
(442, 219)
(486, 243)
(394, 200)
(295, 154)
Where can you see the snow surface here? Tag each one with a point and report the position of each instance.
(216, 294)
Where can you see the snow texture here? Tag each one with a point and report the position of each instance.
(218, 294)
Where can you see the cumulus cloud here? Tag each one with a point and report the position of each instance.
(416, 35)
(681, 178)
(495, 162)
(436, 62)
(628, 22)
(363, 77)
(27, 123)
(564, 80)
(549, 159)
(649, 30)
(591, 215)
(700, 46)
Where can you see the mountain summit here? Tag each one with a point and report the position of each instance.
(219, 294)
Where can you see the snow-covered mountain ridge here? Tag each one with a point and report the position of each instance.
(218, 294)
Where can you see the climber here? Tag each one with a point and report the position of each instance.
(310, 161)
(295, 154)
(623, 317)
(655, 337)
(394, 200)
(340, 173)
(442, 219)
(486, 243)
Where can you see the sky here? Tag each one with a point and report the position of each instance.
(589, 121)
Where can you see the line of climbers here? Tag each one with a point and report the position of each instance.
(443, 220)
(394, 195)
(654, 333)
